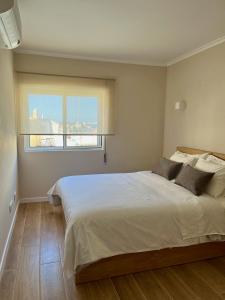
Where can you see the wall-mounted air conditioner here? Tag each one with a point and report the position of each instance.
(10, 26)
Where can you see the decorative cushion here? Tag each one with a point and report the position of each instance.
(193, 179)
(167, 168)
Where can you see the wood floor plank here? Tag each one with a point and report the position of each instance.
(209, 274)
(52, 284)
(12, 260)
(219, 264)
(108, 289)
(19, 224)
(177, 289)
(27, 282)
(31, 235)
(60, 225)
(200, 287)
(7, 285)
(127, 288)
(49, 244)
(15, 243)
(97, 290)
(83, 292)
(151, 287)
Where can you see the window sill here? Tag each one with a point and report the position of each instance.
(26, 150)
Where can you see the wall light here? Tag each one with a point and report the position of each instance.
(180, 105)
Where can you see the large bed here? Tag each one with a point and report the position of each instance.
(129, 222)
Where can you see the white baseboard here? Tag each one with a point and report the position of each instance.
(34, 199)
(7, 243)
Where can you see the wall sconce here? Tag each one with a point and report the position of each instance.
(180, 105)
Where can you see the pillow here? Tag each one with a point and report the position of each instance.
(167, 168)
(183, 158)
(216, 160)
(216, 187)
(187, 159)
(203, 155)
(193, 179)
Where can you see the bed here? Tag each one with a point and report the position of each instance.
(128, 222)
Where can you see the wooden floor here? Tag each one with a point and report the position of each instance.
(34, 269)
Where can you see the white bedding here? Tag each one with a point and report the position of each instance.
(114, 214)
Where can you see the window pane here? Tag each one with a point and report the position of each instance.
(45, 113)
(82, 114)
(83, 141)
(45, 141)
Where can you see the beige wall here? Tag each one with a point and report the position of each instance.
(8, 152)
(140, 94)
(6, 5)
(200, 81)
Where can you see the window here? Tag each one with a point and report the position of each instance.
(59, 112)
(46, 113)
(62, 142)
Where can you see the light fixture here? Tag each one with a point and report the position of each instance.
(180, 105)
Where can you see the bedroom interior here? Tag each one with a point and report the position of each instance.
(112, 169)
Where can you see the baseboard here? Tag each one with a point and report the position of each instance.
(7, 243)
(34, 199)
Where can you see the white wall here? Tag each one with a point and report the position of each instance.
(140, 94)
(8, 148)
(200, 81)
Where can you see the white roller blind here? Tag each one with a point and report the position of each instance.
(65, 105)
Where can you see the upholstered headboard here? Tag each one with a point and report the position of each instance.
(199, 151)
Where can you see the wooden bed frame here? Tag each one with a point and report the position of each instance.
(142, 261)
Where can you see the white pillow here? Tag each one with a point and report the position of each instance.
(187, 159)
(183, 158)
(203, 155)
(216, 160)
(216, 186)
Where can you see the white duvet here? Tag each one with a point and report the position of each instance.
(112, 214)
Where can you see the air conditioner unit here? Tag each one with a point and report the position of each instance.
(10, 28)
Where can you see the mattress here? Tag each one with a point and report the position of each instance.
(111, 214)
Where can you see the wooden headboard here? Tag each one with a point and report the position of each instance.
(199, 151)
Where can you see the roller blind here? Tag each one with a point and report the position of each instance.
(65, 105)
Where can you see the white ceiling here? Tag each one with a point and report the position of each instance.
(137, 31)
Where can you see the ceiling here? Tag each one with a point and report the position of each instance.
(151, 32)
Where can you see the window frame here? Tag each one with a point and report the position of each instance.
(28, 148)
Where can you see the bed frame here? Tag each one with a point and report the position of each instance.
(142, 261)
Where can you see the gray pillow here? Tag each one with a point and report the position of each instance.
(167, 168)
(193, 179)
